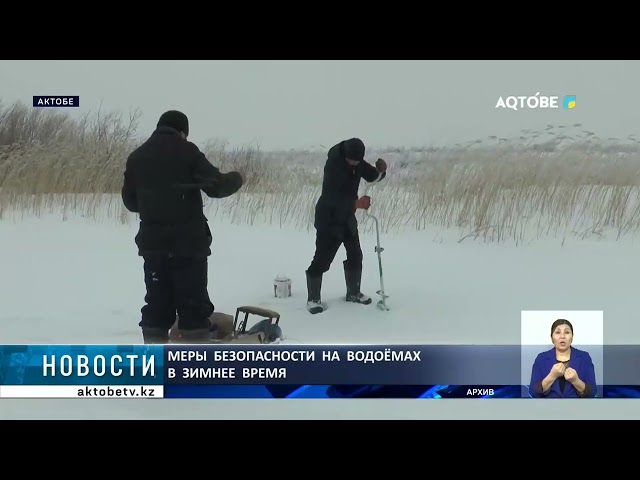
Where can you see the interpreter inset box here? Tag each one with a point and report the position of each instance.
(562, 353)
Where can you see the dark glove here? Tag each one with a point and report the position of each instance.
(381, 165)
(363, 202)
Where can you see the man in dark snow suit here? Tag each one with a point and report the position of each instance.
(163, 181)
(335, 219)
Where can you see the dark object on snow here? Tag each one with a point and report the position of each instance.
(225, 328)
(163, 181)
(335, 219)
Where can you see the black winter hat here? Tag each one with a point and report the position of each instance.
(354, 149)
(174, 119)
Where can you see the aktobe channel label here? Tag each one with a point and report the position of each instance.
(56, 101)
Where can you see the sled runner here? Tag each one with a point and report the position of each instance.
(226, 328)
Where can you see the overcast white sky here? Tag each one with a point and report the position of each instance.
(307, 103)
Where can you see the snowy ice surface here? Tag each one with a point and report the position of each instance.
(80, 281)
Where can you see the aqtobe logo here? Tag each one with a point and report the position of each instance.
(569, 101)
(537, 101)
(56, 101)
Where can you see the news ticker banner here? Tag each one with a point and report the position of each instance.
(293, 371)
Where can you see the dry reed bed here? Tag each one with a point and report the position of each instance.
(492, 190)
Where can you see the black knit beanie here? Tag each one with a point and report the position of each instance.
(354, 149)
(175, 119)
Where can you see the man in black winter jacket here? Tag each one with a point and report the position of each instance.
(335, 219)
(163, 181)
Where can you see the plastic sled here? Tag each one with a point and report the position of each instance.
(226, 328)
(268, 327)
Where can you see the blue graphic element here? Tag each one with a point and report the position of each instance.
(336, 391)
(344, 365)
(81, 365)
(621, 391)
(410, 371)
(569, 102)
(427, 392)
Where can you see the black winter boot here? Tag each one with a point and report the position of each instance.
(352, 278)
(200, 336)
(152, 336)
(314, 301)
